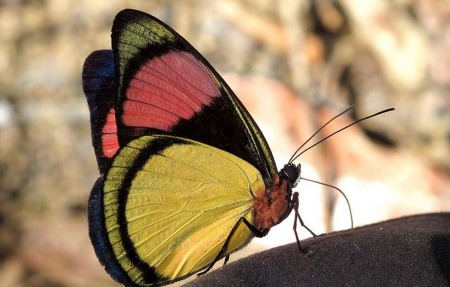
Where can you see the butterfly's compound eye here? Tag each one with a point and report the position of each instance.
(291, 173)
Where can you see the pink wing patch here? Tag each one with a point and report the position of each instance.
(168, 88)
(110, 142)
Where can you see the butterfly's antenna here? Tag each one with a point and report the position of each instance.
(341, 192)
(294, 157)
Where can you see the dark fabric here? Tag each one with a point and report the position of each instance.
(410, 251)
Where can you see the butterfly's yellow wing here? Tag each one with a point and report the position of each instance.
(170, 204)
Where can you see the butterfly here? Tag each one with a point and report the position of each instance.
(186, 176)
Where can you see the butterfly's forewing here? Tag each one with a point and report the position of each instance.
(166, 86)
(99, 87)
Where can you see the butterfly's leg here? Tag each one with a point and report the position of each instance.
(295, 206)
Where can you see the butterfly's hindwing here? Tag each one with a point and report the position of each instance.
(179, 191)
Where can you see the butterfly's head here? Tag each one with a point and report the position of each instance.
(291, 172)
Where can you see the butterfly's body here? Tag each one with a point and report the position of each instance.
(186, 175)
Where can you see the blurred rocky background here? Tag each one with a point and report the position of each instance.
(294, 63)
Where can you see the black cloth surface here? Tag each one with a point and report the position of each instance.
(409, 251)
